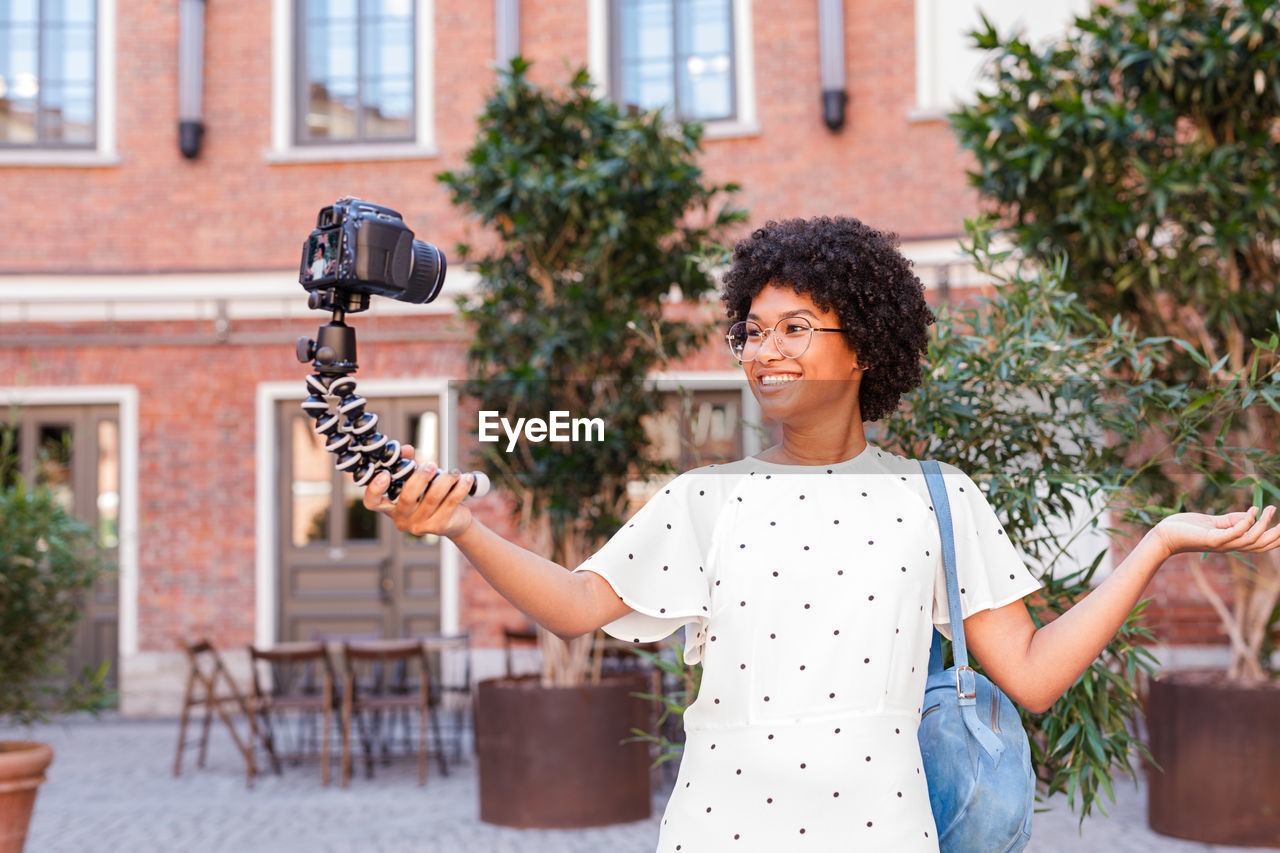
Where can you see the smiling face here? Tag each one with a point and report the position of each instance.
(822, 384)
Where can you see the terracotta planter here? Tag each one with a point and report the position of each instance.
(22, 766)
(1218, 744)
(553, 757)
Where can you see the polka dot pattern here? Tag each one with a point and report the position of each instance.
(809, 594)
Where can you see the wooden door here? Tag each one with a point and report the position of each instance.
(75, 452)
(346, 571)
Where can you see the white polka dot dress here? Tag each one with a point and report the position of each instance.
(809, 594)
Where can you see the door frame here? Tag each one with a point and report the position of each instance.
(267, 528)
(125, 399)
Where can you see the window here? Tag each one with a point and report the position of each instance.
(691, 57)
(674, 53)
(355, 71)
(947, 63)
(701, 422)
(48, 80)
(351, 80)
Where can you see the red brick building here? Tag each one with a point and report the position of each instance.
(149, 300)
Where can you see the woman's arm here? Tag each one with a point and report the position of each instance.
(1035, 667)
(567, 603)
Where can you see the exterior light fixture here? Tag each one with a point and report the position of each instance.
(831, 56)
(190, 76)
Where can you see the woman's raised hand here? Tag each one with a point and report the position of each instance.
(425, 505)
(1247, 531)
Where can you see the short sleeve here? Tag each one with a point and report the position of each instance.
(657, 565)
(989, 569)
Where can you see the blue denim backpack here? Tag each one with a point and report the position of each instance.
(977, 759)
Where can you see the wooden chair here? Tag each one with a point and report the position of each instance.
(517, 637)
(292, 686)
(211, 687)
(385, 682)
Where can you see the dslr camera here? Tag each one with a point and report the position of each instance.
(359, 248)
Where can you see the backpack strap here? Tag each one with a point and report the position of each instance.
(966, 678)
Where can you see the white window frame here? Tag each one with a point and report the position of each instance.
(104, 152)
(746, 122)
(932, 103)
(284, 147)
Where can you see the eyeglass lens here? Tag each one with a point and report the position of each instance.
(791, 336)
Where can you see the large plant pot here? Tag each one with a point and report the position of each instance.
(1219, 746)
(22, 766)
(553, 757)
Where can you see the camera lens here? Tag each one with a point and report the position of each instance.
(427, 276)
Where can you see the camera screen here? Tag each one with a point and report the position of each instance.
(320, 263)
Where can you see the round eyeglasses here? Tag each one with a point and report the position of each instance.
(791, 335)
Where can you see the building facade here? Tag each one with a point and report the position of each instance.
(162, 164)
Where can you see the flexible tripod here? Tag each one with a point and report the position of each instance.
(351, 432)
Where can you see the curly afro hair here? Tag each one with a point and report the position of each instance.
(849, 268)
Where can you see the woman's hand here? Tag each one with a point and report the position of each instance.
(1245, 531)
(425, 505)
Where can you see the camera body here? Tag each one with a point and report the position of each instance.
(359, 248)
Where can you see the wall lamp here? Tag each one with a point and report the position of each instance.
(190, 76)
(831, 57)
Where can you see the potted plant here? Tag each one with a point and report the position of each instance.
(47, 565)
(1141, 149)
(597, 218)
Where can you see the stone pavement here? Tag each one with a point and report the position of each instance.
(110, 788)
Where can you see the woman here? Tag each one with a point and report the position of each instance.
(808, 577)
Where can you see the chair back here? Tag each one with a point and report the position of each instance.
(296, 673)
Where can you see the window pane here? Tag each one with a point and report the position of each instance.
(331, 51)
(387, 48)
(648, 86)
(78, 10)
(68, 55)
(359, 61)
(645, 47)
(703, 27)
(19, 10)
(67, 115)
(705, 59)
(424, 432)
(17, 50)
(706, 91)
(401, 10)
(18, 121)
(331, 111)
(47, 72)
(676, 54)
(362, 524)
(312, 486)
(10, 454)
(53, 463)
(108, 484)
(388, 109)
(344, 10)
(646, 29)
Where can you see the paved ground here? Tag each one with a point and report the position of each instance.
(110, 789)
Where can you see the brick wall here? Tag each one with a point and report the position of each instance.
(232, 210)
